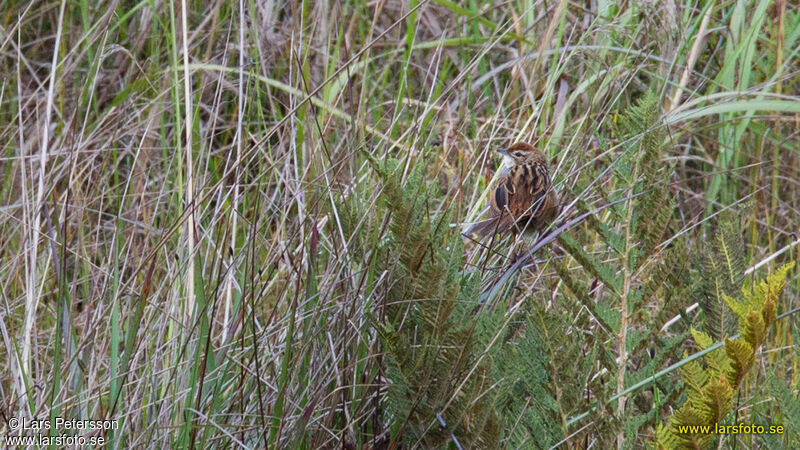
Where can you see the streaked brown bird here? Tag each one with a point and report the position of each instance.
(523, 200)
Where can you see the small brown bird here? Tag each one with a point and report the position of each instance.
(523, 200)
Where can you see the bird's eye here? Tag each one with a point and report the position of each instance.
(518, 154)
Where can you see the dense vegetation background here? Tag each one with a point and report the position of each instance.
(236, 223)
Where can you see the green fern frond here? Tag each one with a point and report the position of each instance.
(764, 295)
(655, 212)
(738, 308)
(702, 340)
(723, 275)
(717, 361)
(598, 269)
(730, 250)
(529, 394)
(753, 329)
(644, 132)
(717, 399)
(788, 403)
(741, 356)
(665, 439)
(434, 369)
(711, 390)
(690, 415)
(579, 291)
(695, 377)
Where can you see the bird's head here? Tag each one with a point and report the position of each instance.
(521, 153)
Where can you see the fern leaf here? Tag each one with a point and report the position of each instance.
(789, 406)
(742, 358)
(723, 274)
(718, 399)
(580, 292)
(702, 339)
(753, 329)
(738, 308)
(598, 269)
(696, 378)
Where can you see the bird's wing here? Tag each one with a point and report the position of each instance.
(526, 187)
(520, 193)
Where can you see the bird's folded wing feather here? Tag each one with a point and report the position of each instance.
(518, 194)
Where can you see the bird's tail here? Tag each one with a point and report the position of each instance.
(482, 228)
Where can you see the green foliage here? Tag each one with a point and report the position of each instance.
(544, 371)
(439, 385)
(721, 275)
(644, 280)
(489, 378)
(492, 379)
(526, 402)
(711, 390)
(788, 410)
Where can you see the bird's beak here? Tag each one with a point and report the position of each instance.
(503, 151)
